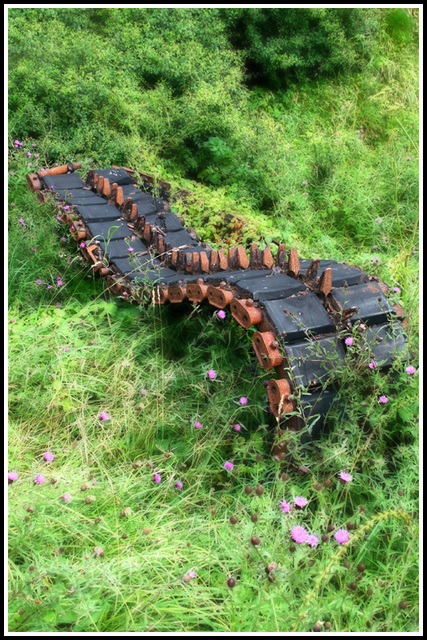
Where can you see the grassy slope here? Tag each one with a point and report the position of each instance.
(115, 351)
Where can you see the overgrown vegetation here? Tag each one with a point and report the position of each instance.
(254, 149)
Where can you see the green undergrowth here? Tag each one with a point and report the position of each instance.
(126, 87)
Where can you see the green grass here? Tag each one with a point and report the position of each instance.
(75, 350)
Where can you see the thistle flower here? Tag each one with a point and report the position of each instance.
(229, 466)
(243, 400)
(221, 314)
(178, 484)
(157, 478)
(410, 370)
(342, 536)
(40, 479)
(312, 540)
(12, 476)
(66, 497)
(285, 506)
(104, 416)
(211, 374)
(349, 342)
(299, 534)
(396, 290)
(383, 399)
(345, 477)
(48, 456)
(300, 502)
(237, 427)
(197, 425)
(373, 364)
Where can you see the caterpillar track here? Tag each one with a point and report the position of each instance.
(302, 310)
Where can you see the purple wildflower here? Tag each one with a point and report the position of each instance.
(39, 479)
(345, 477)
(64, 239)
(410, 370)
(341, 536)
(33, 248)
(131, 249)
(60, 283)
(211, 374)
(66, 207)
(28, 154)
(237, 427)
(303, 469)
(383, 399)
(178, 484)
(82, 245)
(36, 155)
(38, 281)
(229, 466)
(197, 425)
(12, 476)
(66, 497)
(48, 456)
(66, 349)
(158, 478)
(373, 364)
(30, 164)
(104, 416)
(300, 502)
(192, 574)
(243, 400)
(285, 506)
(143, 392)
(22, 222)
(312, 540)
(221, 314)
(299, 534)
(349, 342)
(396, 290)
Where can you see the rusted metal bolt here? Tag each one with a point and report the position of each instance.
(249, 302)
(275, 344)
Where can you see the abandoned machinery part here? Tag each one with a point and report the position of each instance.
(301, 310)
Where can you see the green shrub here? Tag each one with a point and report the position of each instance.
(282, 44)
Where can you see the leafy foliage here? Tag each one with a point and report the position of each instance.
(281, 44)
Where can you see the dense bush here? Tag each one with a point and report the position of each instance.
(279, 44)
(164, 90)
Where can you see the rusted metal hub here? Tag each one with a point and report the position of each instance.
(160, 295)
(77, 230)
(267, 350)
(218, 297)
(33, 182)
(114, 284)
(245, 313)
(278, 394)
(177, 292)
(198, 291)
